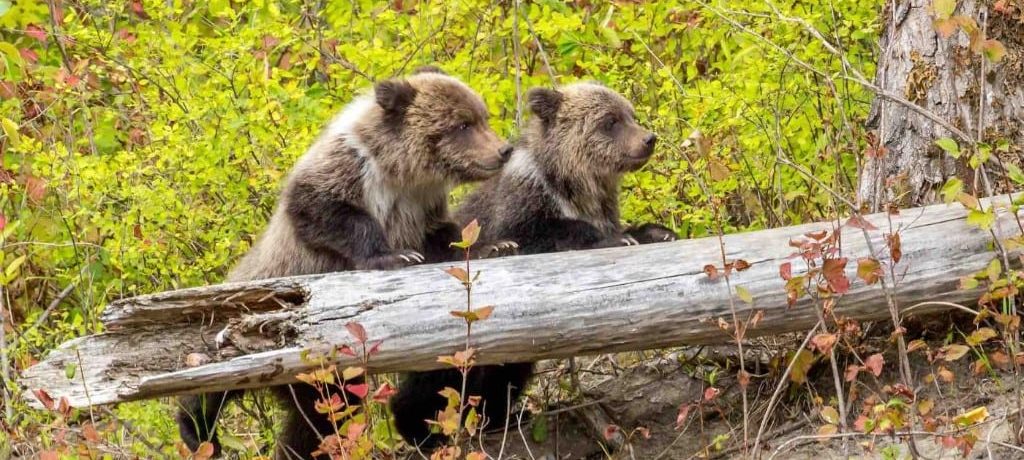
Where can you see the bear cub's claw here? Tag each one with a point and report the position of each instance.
(398, 259)
(500, 249)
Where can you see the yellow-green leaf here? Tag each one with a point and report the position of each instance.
(981, 219)
(972, 417)
(11, 130)
(980, 336)
(994, 270)
(925, 407)
(744, 294)
(949, 146)
(944, 8)
(952, 189)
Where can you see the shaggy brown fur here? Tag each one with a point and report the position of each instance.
(371, 193)
(559, 192)
(560, 189)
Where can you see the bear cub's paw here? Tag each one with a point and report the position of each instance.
(398, 259)
(499, 249)
(652, 233)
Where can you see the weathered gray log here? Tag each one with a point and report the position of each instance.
(547, 306)
(942, 75)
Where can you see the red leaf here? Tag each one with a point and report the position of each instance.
(374, 348)
(860, 423)
(823, 342)
(360, 389)
(3, 221)
(89, 432)
(710, 393)
(29, 55)
(610, 431)
(125, 35)
(35, 32)
(743, 377)
(357, 331)
(49, 455)
(346, 350)
(851, 372)
(44, 398)
(35, 188)
(684, 413)
(786, 271)
(64, 407)
(895, 247)
(384, 392)
(861, 223)
(741, 265)
(354, 430)
(874, 363)
(139, 10)
(329, 406)
(835, 273)
(819, 235)
(711, 271)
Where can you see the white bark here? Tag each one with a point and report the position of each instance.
(547, 306)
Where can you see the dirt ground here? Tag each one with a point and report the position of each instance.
(646, 390)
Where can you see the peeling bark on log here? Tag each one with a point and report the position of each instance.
(547, 306)
(943, 76)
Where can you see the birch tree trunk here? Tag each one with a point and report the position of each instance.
(981, 98)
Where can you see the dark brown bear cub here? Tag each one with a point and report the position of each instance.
(558, 192)
(371, 193)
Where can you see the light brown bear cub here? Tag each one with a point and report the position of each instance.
(558, 192)
(371, 193)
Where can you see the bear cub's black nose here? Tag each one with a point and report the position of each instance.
(505, 152)
(650, 140)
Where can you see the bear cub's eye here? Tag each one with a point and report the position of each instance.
(462, 126)
(610, 122)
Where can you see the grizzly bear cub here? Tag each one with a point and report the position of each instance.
(371, 193)
(558, 192)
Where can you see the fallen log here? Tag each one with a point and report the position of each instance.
(255, 334)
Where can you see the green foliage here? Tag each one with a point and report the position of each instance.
(143, 143)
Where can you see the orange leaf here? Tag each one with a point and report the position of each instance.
(471, 233)
(869, 269)
(458, 273)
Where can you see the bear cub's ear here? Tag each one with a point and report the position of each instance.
(544, 103)
(428, 69)
(394, 96)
